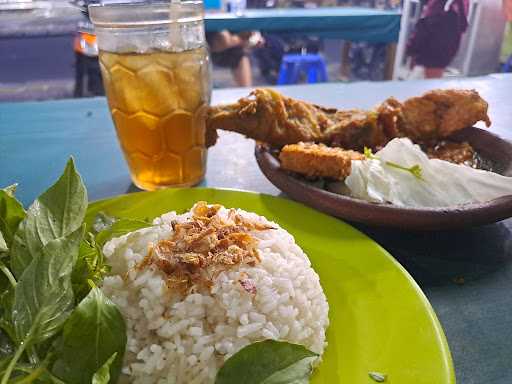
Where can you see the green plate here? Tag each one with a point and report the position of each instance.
(380, 321)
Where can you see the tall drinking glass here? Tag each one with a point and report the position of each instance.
(155, 69)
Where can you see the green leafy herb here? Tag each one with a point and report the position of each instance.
(11, 214)
(43, 297)
(41, 325)
(3, 244)
(89, 267)
(11, 189)
(415, 170)
(102, 376)
(8, 275)
(91, 262)
(6, 347)
(55, 214)
(6, 302)
(369, 154)
(268, 362)
(93, 333)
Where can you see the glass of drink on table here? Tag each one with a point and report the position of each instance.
(155, 69)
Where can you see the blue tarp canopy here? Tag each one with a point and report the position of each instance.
(355, 24)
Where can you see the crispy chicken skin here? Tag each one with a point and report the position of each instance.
(318, 160)
(440, 113)
(268, 116)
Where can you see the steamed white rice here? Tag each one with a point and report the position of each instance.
(174, 338)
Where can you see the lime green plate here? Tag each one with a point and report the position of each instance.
(380, 321)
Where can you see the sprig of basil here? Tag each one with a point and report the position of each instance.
(91, 263)
(40, 324)
(55, 214)
(93, 333)
(268, 362)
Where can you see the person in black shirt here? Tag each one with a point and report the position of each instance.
(232, 51)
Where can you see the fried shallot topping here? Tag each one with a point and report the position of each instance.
(203, 247)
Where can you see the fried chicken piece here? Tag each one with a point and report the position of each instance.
(268, 116)
(440, 113)
(318, 160)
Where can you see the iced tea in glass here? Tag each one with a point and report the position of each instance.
(155, 70)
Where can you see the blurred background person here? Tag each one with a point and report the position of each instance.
(437, 35)
(232, 51)
(506, 51)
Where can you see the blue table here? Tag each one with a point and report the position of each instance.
(36, 138)
(355, 24)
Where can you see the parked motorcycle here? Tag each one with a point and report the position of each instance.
(87, 70)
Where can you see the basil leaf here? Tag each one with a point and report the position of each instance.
(6, 302)
(11, 189)
(85, 269)
(118, 228)
(91, 263)
(268, 362)
(43, 297)
(3, 244)
(55, 214)
(93, 333)
(6, 347)
(11, 214)
(4, 362)
(102, 376)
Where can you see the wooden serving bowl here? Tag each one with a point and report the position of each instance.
(489, 146)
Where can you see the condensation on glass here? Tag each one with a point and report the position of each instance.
(155, 69)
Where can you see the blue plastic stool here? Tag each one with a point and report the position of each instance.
(293, 65)
(507, 67)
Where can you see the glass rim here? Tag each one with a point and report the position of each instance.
(126, 14)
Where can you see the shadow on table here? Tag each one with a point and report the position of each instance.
(449, 257)
(133, 188)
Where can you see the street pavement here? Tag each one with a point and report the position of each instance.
(37, 58)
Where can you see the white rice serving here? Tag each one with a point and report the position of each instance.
(185, 338)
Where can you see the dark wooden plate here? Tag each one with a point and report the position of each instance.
(491, 148)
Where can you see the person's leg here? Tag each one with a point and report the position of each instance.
(433, 73)
(242, 73)
(345, 61)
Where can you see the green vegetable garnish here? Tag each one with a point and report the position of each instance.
(102, 376)
(55, 325)
(94, 331)
(415, 170)
(268, 362)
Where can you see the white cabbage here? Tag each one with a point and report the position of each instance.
(443, 184)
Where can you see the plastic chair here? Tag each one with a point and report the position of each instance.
(212, 4)
(292, 66)
(507, 67)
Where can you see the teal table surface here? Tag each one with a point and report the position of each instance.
(36, 138)
(356, 24)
